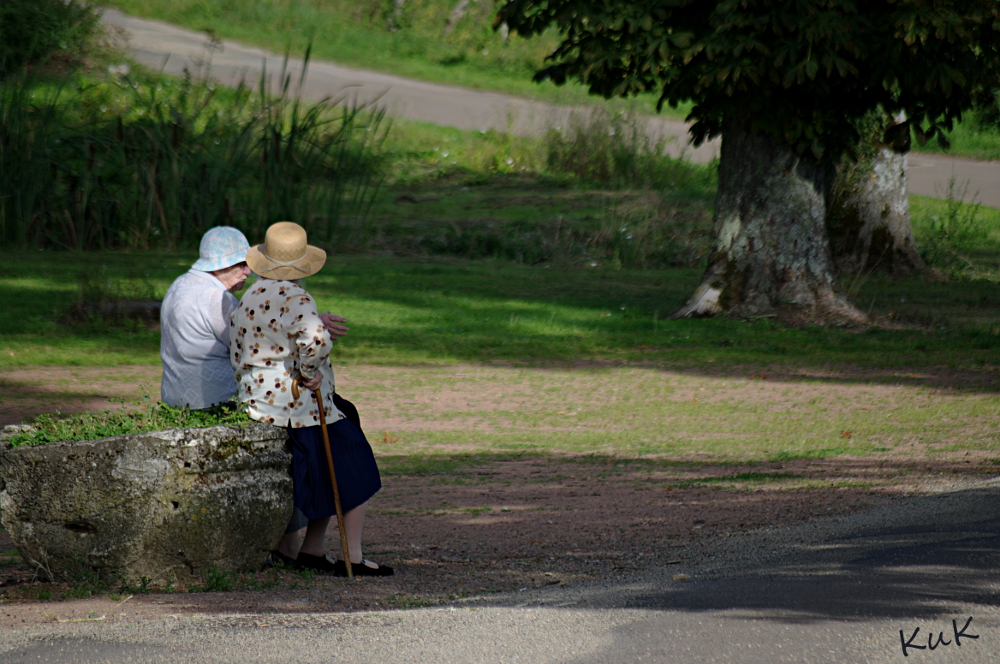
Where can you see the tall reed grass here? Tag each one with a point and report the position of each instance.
(167, 163)
(601, 145)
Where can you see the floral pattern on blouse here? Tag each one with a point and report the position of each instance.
(276, 334)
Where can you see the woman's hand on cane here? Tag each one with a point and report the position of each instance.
(313, 383)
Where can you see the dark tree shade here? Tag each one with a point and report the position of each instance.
(803, 70)
(31, 30)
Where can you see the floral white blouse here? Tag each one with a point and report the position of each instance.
(276, 334)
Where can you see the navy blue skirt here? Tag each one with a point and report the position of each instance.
(357, 473)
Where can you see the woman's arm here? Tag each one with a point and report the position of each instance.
(306, 330)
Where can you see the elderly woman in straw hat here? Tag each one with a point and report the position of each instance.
(277, 335)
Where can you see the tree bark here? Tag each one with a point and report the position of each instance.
(770, 254)
(869, 217)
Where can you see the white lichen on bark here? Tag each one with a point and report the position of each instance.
(870, 216)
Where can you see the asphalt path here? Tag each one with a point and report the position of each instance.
(839, 590)
(163, 46)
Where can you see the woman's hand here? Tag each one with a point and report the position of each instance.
(332, 324)
(313, 382)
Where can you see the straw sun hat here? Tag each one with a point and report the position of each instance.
(285, 254)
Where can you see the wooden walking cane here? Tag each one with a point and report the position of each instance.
(333, 476)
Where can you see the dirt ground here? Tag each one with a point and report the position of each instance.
(500, 526)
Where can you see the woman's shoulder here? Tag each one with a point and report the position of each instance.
(271, 288)
(275, 288)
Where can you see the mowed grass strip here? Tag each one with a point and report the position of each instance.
(668, 415)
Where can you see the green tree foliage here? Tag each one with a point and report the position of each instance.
(801, 70)
(32, 30)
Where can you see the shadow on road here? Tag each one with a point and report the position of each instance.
(918, 560)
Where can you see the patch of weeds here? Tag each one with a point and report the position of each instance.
(43, 595)
(949, 238)
(144, 586)
(254, 582)
(270, 580)
(150, 416)
(217, 580)
(83, 581)
(248, 583)
(307, 576)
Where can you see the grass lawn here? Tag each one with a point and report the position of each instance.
(561, 359)
(967, 140)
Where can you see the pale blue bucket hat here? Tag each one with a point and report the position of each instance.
(220, 248)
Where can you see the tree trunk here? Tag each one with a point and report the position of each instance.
(770, 254)
(869, 217)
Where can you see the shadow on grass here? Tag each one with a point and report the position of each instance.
(409, 311)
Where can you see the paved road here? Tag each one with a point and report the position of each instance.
(929, 175)
(836, 590)
(158, 45)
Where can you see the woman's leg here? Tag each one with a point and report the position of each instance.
(289, 544)
(314, 543)
(354, 524)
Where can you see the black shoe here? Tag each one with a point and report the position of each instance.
(278, 558)
(367, 568)
(322, 564)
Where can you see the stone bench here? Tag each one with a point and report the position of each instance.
(164, 505)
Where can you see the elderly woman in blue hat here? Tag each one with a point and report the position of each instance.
(194, 323)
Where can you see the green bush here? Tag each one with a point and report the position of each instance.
(32, 30)
(156, 163)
